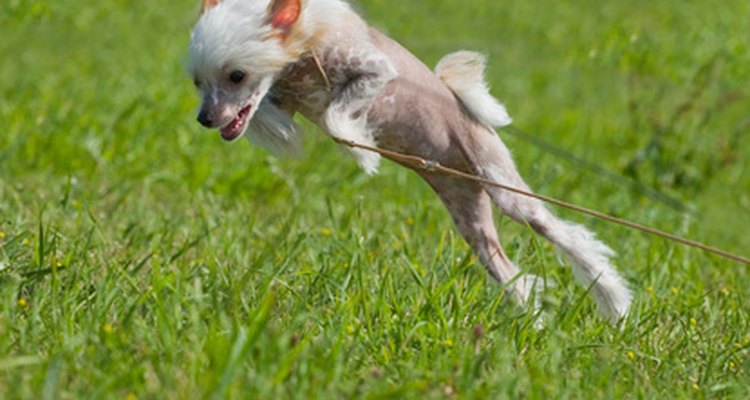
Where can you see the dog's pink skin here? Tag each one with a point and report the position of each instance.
(415, 101)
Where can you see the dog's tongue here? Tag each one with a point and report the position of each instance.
(235, 128)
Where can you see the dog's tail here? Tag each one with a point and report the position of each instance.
(463, 73)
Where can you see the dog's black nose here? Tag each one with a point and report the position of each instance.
(206, 119)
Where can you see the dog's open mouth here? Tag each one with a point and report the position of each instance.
(237, 126)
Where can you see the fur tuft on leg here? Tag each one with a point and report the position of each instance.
(529, 287)
(591, 266)
(274, 130)
(463, 73)
(354, 129)
(589, 257)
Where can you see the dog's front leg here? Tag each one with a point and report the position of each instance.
(366, 73)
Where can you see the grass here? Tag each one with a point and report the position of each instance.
(140, 257)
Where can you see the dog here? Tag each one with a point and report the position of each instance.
(256, 63)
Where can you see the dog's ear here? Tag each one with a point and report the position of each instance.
(209, 4)
(282, 14)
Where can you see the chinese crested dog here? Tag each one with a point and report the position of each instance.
(257, 63)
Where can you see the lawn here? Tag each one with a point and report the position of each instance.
(143, 258)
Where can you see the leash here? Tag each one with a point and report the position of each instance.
(434, 166)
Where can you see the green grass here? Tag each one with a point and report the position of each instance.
(141, 257)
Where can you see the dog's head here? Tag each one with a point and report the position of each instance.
(237, 50)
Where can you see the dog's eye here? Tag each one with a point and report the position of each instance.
(197, 83)
(236, 76)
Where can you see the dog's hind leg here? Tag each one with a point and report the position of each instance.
(471, 209)
(463, 73)
(590, 258)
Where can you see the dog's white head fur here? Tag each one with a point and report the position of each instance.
(237, 49)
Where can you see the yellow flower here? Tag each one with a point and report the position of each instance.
(410, 221)
(631, 355)
(108, 329)
(325, 232)
(693, 321)
(132, 396)
(22, 302)
(650, 289)
(695, 386)
(26, 242)
(675, 290)
(448, 342)
(2, 234)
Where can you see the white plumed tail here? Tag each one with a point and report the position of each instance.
(463, 73)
